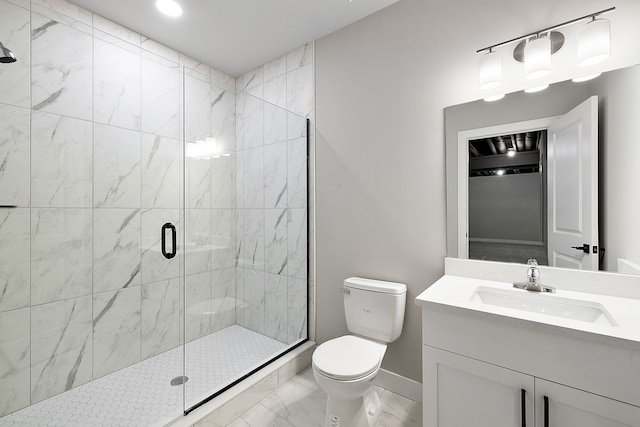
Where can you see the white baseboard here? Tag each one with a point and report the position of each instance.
(400, 385)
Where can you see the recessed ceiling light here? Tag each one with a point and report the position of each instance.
(494, 98)
(169, 7)
(536, 89)
(585, 78)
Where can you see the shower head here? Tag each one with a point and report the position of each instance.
(7, 56)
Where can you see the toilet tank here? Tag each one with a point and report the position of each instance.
(374, 309)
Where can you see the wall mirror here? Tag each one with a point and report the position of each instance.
(551, 175)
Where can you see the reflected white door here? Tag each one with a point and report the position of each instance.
(573, 187)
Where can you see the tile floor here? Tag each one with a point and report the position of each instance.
(141, 394)
(301, 403)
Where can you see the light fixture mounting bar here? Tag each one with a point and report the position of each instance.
(544, 30)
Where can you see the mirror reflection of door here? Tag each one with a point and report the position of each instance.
(534, 193)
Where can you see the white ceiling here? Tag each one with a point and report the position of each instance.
(236, 36)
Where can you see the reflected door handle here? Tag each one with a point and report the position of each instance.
(584, 248)
(546, 411)
(169, 226)
(523, 407)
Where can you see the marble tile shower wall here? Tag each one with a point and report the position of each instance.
(90, 153)
(273, 103)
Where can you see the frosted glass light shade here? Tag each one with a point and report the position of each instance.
(594, 43)
(490, 72)
(537, 58)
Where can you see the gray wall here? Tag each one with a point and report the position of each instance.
(506, 207)
(381, 86)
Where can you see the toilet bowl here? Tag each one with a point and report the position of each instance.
(346, 367)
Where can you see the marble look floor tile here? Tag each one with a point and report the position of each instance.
(65, 182)
(259, 416)
(61, 73)
(14, 259)
(398, 411)
(14, 32)
(14, 155)
(14, 365)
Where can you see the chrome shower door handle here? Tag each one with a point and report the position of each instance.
(169, 226)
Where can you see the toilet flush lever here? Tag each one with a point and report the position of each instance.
(345, 290)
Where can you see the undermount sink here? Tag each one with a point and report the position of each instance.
(550, 305)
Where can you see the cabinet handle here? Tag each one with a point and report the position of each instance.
(546, 411)
(523, 406)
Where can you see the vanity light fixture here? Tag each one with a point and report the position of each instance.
(511, 152)
(494, 98)
(585, 78)
(536, 89)
(500, 172)
(169, 7)
(535, 49)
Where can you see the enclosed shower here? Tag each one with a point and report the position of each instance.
(153, 223)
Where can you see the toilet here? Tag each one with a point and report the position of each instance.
(346, 367)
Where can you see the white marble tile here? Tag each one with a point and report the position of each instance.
(253, 177)
(61, 347)
(253, 78)
(275, 124)
(259, 416)
(256, 91)
(15, 363)
(197, 306)
(296, 126)
(15, 35)
(297, 243)
(195, 65)
(14, 155)
(223, 118)
(159, 49)
(223, 298)
(155, 267)
(239, 178)
(223, 80)
(161, 90)
(61, 258)
(116, 86)
(14, 259)
(275, 307)
(25, 4)
(198, 182)
(275, 175)
(241, 306)
(254, 300)
(253, 122)
(297, 173)
(398, 411)
(300, 91)
(300, 57)
(253, 239)
(116, 330)
(61, 161)
(116, 249)
(117, 177)
(275, 68)
(68, 9)
(240, 121)
(239, 84)
(275, 241)
(116, 30)
(197, 104)
(298, 403)
(61, 69)
(197, 251)
(275, 91)
(161, 178)
(223, 185)
(223, 238)
(296, 309)
(160, 317)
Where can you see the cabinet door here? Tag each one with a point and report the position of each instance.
(459, 391)
(568, 407)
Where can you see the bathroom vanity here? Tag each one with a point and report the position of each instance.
(496, 356)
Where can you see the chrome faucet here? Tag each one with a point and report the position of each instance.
(533, 279)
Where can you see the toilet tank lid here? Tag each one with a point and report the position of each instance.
(375, 285)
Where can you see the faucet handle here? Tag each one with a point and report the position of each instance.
(532, 261)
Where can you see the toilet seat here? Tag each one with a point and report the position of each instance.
(348, 358)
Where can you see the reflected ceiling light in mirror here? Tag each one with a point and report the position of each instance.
(594, 42)
(536, 89)
(169, 8)
(490, 73)
(537, 57)
(511, 152)
(500, 172)
(586, 78)
(494, 98)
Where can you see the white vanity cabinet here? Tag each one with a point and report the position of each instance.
(461, 391)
